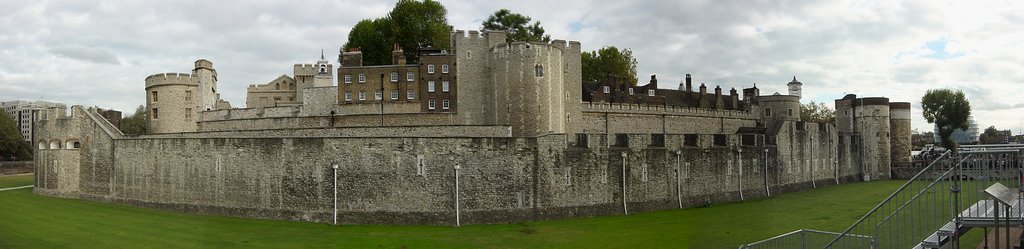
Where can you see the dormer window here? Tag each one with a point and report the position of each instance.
(607, 89)
(650, 92)
(630, 90)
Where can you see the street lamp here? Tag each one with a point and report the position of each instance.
(381, 99)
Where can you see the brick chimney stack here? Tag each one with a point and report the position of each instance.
(689, 86)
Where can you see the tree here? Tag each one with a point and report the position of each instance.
(817, 112)
(993, 136)
(948, 110)
(371, 37)
(135, 124)
(516, 26)
(12, 145)
(596, 65)
(411, 24)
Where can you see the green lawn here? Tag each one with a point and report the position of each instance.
(15, 181)
(32, 221)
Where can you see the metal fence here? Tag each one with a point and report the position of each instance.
(932, 209)
(803, 238)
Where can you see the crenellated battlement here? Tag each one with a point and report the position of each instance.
(171, 79)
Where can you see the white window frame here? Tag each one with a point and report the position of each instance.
(430, 69)
(394, 76)
(348, 96)
(444, 68)
(410, 94)
(444, 86)
(348, 79)
(394, 94)
(630, 90)
(410, 77)
(362, 78)
(431, 104)
(445, 104)
(607, 89)
(650, 92)
(378, 95)
(362, 95)
(430, 86)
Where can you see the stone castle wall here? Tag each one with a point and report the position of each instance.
(502, 179)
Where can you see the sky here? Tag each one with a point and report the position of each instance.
(98, 53)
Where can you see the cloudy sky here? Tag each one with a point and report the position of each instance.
(98, 53)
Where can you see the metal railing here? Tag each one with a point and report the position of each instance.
(803, 238)
(930, 209)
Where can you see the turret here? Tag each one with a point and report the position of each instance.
(207, 82)
(794, 87)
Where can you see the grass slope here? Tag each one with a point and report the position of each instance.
(32, 221)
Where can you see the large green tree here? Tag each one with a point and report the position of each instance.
(596, 65)
(135, 124)
(411, 24)
(817, 112)
(12, 145)
(516, 26)
(948, 110)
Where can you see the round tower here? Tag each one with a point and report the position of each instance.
(900, 132)
(872, 126)
(777, 106)
(171, 102)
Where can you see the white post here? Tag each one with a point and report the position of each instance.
(679, 191)
(457, 222)
(335, 169)
(766, 189)
(624, 208)
(739, 180)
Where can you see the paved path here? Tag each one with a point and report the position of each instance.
(5, 189)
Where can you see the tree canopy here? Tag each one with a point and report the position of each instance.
(948, 110)
(12, 145)
(516, 26)
(596, 65)
(817, 112)
(135, 124)
(991, 135)
(411, 24)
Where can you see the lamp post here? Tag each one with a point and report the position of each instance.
(335, 169)
(624, 208)
(739, 180)
(457, 222)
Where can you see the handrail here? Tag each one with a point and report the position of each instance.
(923, 190)
(883, 202)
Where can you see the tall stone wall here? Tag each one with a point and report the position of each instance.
(381, 180)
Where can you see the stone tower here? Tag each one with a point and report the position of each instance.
(206, 78)
(900, 132)
(864, 131)
(794, 87)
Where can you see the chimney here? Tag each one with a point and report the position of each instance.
(718, 98)
(734, 98)
(689, 87)
(397, 55)
(654, 82)
(703, 89)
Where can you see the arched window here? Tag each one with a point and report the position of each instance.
(55, 144)
(323, 68)
(291, 86)
(538, 70)
(277, 86)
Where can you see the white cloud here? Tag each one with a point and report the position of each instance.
(99, 53)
